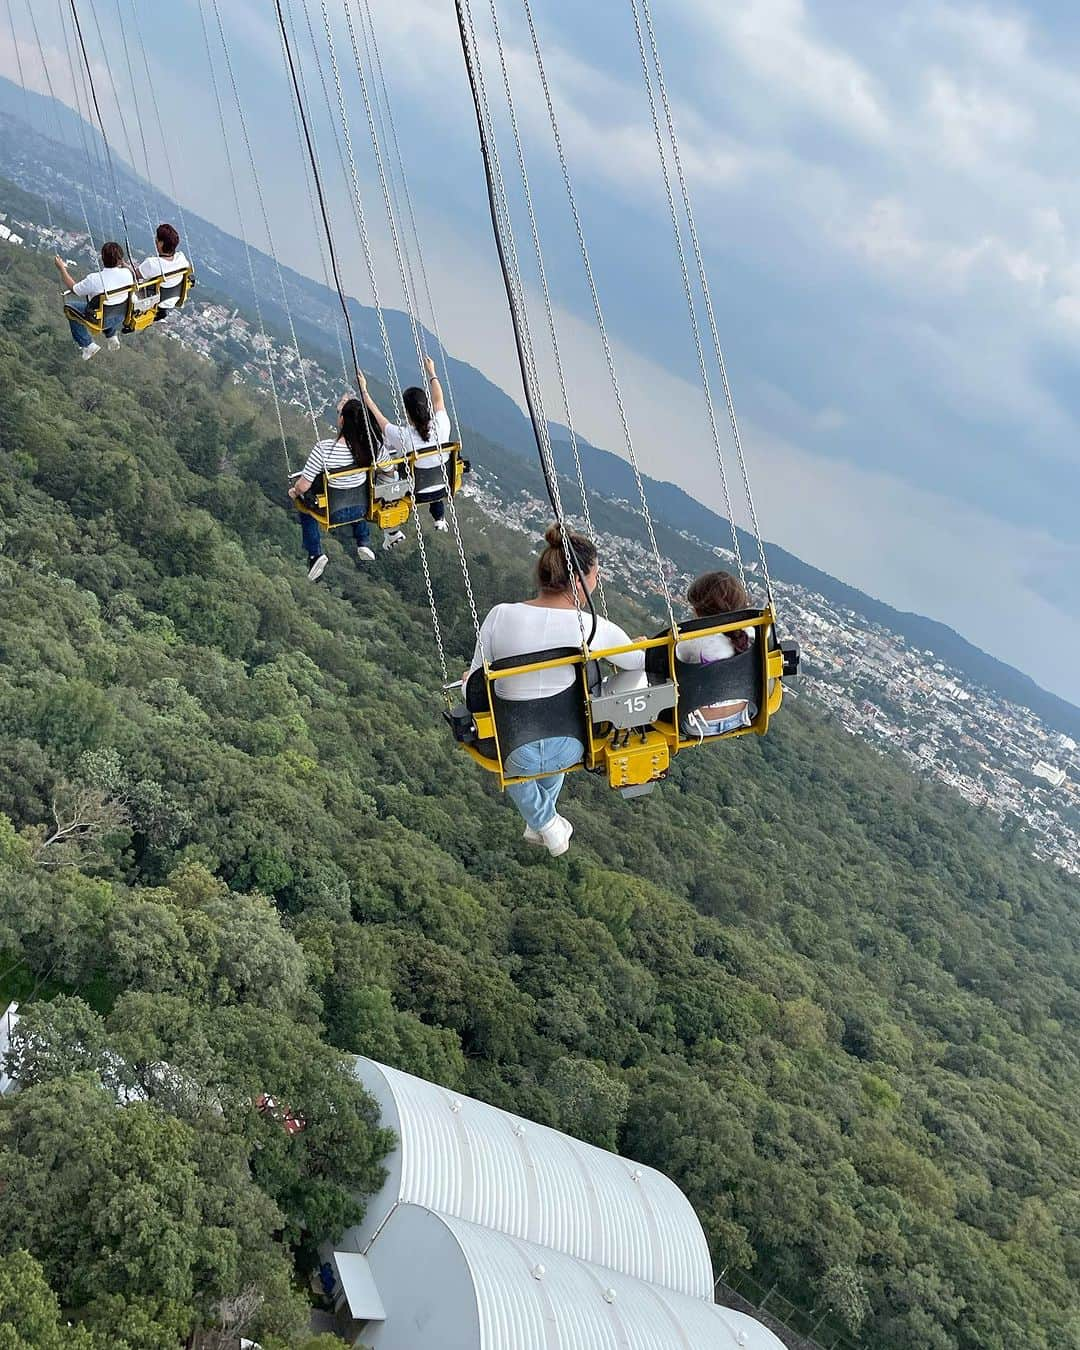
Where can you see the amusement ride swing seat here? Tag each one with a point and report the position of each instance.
(387, 493)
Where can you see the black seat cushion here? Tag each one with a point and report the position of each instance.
(519, 721)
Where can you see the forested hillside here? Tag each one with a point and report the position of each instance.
(833, 1003)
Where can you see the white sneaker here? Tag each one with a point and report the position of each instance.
(392, 538)
(442, 525)
(114, 343)
(532, 836)
(556, 836)
(317, 567)
(364, 554)
(92, 350)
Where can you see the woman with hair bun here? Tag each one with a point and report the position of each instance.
(550, 619)
(712, 595)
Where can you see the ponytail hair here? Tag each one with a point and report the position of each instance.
(714, 594)
(360, 432)
(552, 573)
(418, 410)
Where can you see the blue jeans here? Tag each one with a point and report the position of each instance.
(537, 800)
(309, 528)
(697, 725)
(79, 331)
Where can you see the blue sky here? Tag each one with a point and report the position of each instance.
(889, 208)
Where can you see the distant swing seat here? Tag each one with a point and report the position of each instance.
(155, 298)
(105, 310)
(387, 495)
(628, 720)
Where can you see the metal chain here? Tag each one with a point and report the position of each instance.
(93, 162)
(25, 87)
(317, 230)
(542, 271)
(157, 117)
(518, 299)
(688, 292)
(265, 216)
(243, 235)
(598, 312)
(395, 386)
(417, 338)
(707, 293)
(120, 115)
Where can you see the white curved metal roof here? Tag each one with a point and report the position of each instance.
(470, 1288)
(475, 1162)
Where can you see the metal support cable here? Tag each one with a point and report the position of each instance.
(101, 126)
(707, 293)
(388, 354)
(243, 234)
(417, 337)
(120, 113)
(514, 288)
(609, 355)
(265, 217)
(157, 118)
(375, 65)
(542, 272)
(25, 87)
(688, 292)
(311, 190)
(95, 170)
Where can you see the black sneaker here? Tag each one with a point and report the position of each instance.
(316, 567)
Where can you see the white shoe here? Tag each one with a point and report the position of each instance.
(92, 350)
(392, 538)
(317, 567)
(532, 836)
(364, 554)
(556, 836)
(114, 343)
(442, 525)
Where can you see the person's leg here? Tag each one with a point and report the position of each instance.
(361, 531)
(537, 800)
(309, 532)
(438, 510)
(79, 331)
(529, 799)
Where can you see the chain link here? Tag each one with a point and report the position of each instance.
(243, 235)
(598, 311)
(707, 293)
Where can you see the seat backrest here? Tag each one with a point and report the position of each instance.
(175, 286)
(431, 479)
(358, 494)
(519, 721)
(700, 685)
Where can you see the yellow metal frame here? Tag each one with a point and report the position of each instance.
(134, 320)
(643, 756)
(387, 515)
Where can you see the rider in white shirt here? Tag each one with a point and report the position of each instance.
(712, 595)
(428, 424)
(169, 263)
(114, 281)
(556, 617)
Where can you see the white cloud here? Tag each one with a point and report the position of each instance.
(774, 39)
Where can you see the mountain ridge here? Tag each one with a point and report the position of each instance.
(495, 414)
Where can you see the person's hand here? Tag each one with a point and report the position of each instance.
(429, 367)
(292, 492)
(361, 381)
(58, 262)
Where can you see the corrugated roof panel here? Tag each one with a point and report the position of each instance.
(473, 1161)
(531, 1298)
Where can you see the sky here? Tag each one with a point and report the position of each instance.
(889, 213)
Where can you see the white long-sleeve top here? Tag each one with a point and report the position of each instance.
(517, 628)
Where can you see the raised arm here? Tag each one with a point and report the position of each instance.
(65, 275)
(372, 406)
(438, 403)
